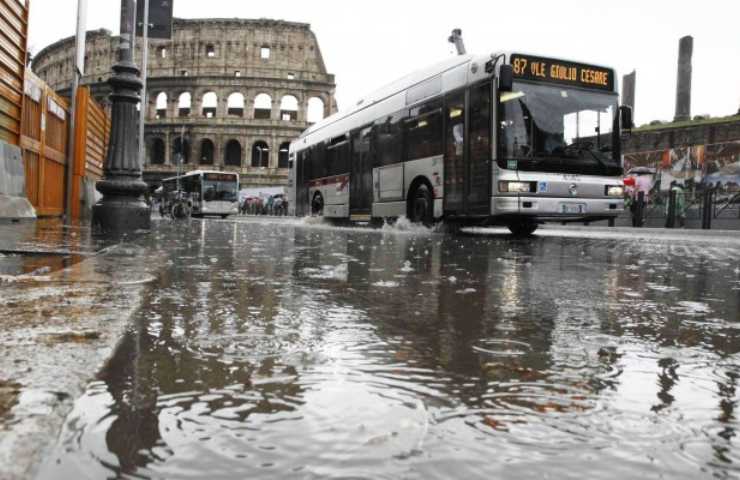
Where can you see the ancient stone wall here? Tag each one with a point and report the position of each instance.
(696, 153)
(237, 91)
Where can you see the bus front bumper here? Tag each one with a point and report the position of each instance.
(556, 207)
(219, 208)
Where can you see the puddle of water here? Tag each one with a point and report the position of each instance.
(311, 351)
(35, 264)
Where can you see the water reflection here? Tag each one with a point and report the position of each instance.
(43, 246)
(277, 349)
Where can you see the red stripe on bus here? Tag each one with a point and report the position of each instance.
(320, 182)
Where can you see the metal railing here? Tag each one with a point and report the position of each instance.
(698, 206)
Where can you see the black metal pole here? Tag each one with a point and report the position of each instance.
(671, 217)
(122, 208)
(640, 209)
(706, 217)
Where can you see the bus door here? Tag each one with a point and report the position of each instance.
(361, 173)
(454, 155)
(478, 164)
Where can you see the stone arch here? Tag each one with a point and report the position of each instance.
(207, 149)
(283, 155)
(262, 107)
(181, 146)
(260, 154)
(289, 108)
(315, 110)
(184, 104)
(160, 105)
(233, 153)
(210, 104)
(210, 50)
(157, 152)
(235, 104)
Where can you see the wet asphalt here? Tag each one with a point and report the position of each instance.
(284, 348)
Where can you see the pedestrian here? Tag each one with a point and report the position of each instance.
(679, 204)
(277, 205)
(629, 192)
(643, 185)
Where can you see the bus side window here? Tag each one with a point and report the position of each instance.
(319, 163)
(337, 155)
(389, 139)
(423, 136)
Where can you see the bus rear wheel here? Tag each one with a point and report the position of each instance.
(421, 209)
(522, 228)
(317, 205)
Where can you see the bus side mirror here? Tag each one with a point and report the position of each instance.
(505, 78)
(625, 115)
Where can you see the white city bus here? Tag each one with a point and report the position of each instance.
(505, 139)
(209, 192)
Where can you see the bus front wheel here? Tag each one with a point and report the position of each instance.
(522, 228)
(421, 209)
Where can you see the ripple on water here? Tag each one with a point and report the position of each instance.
(501, 347)
(246, 346)
(693, 308)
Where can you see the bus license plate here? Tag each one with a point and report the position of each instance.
(572, 208)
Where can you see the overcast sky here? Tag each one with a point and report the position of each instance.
(367, 44)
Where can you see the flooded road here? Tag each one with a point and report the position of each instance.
(281, 349)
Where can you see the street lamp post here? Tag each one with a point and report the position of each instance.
(122, 208)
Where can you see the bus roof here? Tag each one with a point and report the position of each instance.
(451, 73)
(199, 172)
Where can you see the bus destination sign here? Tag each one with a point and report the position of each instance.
(543, 69)
(221, 177)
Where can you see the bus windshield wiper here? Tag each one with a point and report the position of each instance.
(588, 148)
(599, 157)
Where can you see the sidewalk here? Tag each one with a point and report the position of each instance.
(64, 303)
(683, 235)
(643, 231)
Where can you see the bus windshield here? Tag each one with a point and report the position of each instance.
(219, 190)
(559, 129)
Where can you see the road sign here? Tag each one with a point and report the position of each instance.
(160, 18)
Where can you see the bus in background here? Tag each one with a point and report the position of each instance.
(208, 192)
(505, 139)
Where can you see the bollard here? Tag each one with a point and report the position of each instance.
(706, 214)
(670, 221)
(640, 210)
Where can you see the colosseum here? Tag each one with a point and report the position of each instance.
(228, 94)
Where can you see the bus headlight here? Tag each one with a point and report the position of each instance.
(516, 187)
(614, 191)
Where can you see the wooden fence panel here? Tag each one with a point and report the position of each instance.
(44, 143)
(92, 131)
(13, 39)
(97, 125)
